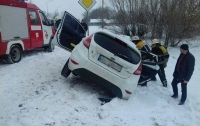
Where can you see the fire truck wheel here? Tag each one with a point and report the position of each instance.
(15, 54)
(51, 46)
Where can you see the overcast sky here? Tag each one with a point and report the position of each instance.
(71, 6)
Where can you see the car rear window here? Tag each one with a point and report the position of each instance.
(117, 48)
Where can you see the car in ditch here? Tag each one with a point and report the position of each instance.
(103, 57)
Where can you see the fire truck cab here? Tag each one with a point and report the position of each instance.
(23, 26)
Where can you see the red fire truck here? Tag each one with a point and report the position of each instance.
(23, 26)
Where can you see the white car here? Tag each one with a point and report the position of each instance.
(103, 57)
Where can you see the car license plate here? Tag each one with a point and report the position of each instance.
(110, 63)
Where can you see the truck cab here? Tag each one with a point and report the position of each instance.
(23, 26)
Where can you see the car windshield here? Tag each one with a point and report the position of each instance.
(117, 48)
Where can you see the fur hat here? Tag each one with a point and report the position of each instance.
(184, 47)
(155, 41)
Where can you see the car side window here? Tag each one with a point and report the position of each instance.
(44, 19)
(33, 17)
(72, 24)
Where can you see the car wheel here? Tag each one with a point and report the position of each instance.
(15, 54)
(51, 46)
(66, 71)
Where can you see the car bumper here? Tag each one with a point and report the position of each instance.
(98, 80)
(92, 71)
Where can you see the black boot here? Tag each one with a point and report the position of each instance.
(164, 83)
(181, 103)
(144, 84)
(174, 96)
(153, 79)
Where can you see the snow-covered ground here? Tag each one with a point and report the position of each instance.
(33, 93)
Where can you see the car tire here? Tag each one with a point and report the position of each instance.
(66, 71)
(15, 54)
(51, 46)
(74, 74)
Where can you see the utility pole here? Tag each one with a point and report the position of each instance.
(58, 8)
(88, 21)
(87, 5)
(102, 14)
(47, 6)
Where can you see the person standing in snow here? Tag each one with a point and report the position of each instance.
(85, 26)
(182, 73)
(163, 57)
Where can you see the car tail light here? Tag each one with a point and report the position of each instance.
(74, 62)
(87, 41)
(128, 92)
(139, 70)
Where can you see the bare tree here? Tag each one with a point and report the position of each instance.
(54, 14)
(96, 13)
(180, 18)
(172, 20)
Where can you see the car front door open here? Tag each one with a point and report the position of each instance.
(69, 33)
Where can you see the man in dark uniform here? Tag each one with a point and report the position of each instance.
(142, 47)
(163, 57)
(183, 72)
(57, 22)
(85, 26)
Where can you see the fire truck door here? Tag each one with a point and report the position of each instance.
(46, 29)
(36, 36)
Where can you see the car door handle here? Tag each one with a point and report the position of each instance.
(112, 58)
(16, 37)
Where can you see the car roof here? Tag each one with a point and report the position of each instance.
(124, 38)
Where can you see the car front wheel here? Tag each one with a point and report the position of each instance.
(66, 71)
(51, 46)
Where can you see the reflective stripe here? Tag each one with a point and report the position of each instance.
(147, 49)
(140, 44)
(164, 50)
(155, 67)
(35, 28)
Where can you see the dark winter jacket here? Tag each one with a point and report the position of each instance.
(58, 22)
(162, 54)
(144, 48)
(184, 67)
(84, 26)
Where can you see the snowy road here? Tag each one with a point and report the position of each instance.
(33, 93)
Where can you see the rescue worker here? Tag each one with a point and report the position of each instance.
(85, 26)
(163, 57)
(142, 46)
(57, 19)
(183, 72)
(147, 71)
